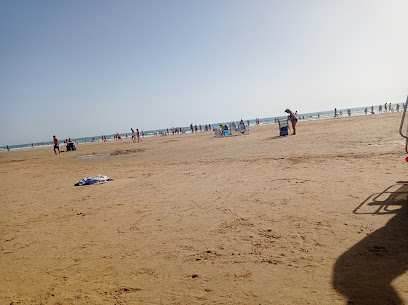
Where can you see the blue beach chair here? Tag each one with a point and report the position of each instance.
(283, 127)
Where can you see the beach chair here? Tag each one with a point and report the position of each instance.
(218, 133)
(283, 127)
(243, 129)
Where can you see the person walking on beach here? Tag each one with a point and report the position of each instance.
(56, 145)
(8, 148)
(385, 107)
(133, 135)
(372, 109)
(138, 135)
(293, 119)
(335, 113)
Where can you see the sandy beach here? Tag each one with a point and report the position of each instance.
(316, 218)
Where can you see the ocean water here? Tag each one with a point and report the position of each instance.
(263, 121)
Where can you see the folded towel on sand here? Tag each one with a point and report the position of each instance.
(98, 179)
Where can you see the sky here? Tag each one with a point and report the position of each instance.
(90, 67)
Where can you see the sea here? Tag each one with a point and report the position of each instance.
(263, 121)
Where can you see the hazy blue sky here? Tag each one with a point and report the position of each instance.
(84, 68)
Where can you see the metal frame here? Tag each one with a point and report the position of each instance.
(403, 118)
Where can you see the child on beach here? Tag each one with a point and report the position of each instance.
(293, 119)
(56, 145)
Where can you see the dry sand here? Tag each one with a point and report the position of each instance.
(194, 219)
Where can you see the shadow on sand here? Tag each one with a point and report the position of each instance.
(364, 273)
(276, 137)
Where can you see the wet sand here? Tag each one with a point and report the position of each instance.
(194, 219)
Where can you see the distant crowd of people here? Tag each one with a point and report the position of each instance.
(195, 128)
(387, 108)
(137, 136)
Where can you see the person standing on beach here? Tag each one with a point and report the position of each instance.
(8, 148)
(56, 145)
(293, 119)
(372, 109)
(335, 113)
(385, 107)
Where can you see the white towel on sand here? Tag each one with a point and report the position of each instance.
(98, 179)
